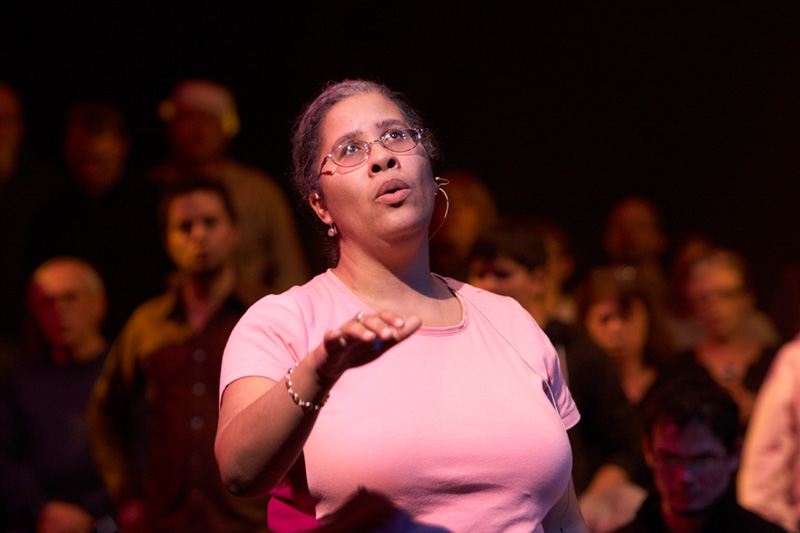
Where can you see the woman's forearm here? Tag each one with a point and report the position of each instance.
(262, 431)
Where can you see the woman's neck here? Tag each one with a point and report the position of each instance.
(405, 261)
(404, 287)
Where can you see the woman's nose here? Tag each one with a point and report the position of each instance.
(381, 158)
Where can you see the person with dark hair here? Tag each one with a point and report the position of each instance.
(513, 260)
(202, 120)
(620, 317)
(48, 481)
(444, 400)
(107, 216)
(692, 443)
(153, 411)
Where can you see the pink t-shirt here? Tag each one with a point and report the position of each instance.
(451, 424)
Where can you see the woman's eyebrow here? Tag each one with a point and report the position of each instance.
(385, 123)
(354, 134)
(358, 134)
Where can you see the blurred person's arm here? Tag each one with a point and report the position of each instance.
(767, 475)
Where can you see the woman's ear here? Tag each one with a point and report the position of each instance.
(317, 203)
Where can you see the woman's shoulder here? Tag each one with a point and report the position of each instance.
(317, 291)
(320, 303)
(279, 329)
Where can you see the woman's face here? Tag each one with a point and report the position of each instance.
(621, 333)
(388, 196)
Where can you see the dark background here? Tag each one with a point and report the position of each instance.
(562, 109)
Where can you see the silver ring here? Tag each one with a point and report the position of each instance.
(359, 316)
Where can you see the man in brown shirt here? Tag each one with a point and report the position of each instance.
(160, 467)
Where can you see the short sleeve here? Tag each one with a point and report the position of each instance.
(268, 339)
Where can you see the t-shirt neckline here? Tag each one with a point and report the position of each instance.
(423, 330)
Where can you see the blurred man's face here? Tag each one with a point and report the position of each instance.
(67, 308)
(719, 299)
(96, 160)
(633, 234)
(691, 467)
(201, 236)
(197, 136)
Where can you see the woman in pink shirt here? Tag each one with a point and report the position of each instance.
(379, 381)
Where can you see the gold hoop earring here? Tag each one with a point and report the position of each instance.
(441, 182)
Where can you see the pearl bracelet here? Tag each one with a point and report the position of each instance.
(304, 405)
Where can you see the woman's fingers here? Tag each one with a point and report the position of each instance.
(364, 338)
(387, 327)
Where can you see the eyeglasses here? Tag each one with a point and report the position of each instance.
(353, 153)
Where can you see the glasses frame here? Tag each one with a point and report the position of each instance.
(368, 145)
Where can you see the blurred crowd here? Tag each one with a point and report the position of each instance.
(118, 290)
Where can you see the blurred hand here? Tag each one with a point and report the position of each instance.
(63, 517)
(611, 507)
(360, 341)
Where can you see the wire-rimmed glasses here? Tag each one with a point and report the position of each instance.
(353, 153)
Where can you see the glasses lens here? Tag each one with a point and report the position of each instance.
(349, 154)
(401, 140)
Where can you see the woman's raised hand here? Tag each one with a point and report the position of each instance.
(361, 340)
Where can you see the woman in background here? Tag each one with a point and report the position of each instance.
(620, 318)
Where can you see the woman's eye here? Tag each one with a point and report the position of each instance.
(347, 150)
(394, 135)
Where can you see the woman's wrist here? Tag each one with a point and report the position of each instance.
(323, 374)
(307, 383)
(305, 405)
